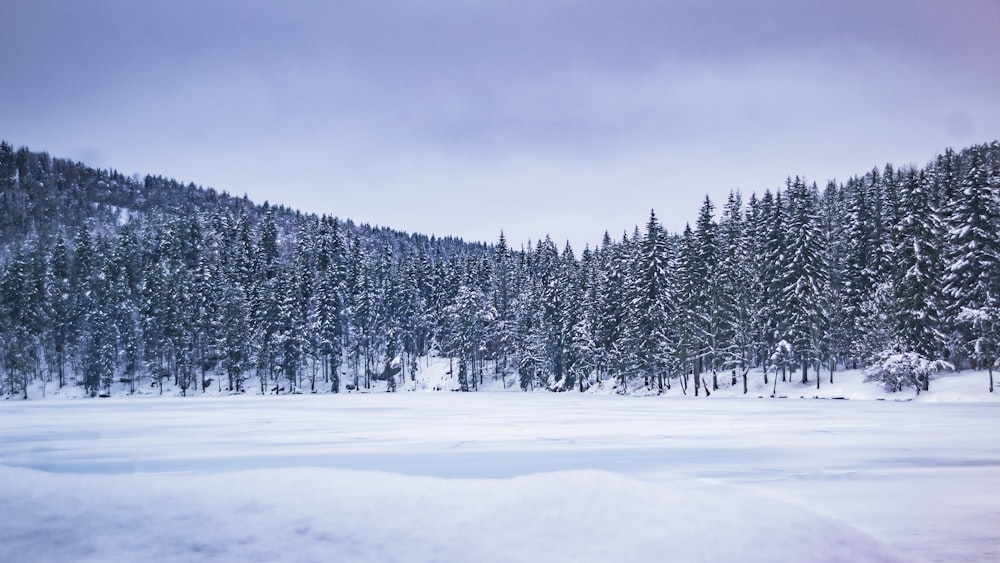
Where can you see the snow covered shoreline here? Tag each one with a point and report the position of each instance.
(435, 376)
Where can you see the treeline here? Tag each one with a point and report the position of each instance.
(110, 280)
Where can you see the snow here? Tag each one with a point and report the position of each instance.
(499, 477)
(439, 375)
(313, 514)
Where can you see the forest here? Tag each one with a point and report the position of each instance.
(113, 280)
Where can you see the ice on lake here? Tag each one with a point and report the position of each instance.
(498, 477)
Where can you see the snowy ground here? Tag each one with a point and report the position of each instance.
(438, 374)
(498, 477)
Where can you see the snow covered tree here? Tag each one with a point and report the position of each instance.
(265, 300)
(612, 307)
(836, 341)
(652, 304)
(805, 275)
(708, 303)
(972, 277)
(470, 312)
(502, 328)
(861, 269)
(918, 268)
(19, 322)
(686, 350)
(773, 261)
(736, 287)
(896, 371)
(60, 305)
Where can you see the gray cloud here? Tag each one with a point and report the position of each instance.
(568, 118)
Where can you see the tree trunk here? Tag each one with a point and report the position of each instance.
(805, 371)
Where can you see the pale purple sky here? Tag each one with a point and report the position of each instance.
(537, 117)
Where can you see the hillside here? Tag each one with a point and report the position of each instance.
(117, 284)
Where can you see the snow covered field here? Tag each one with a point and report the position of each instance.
(498, 477)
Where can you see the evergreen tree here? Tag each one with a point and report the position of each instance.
(974, 261)
(653, 304)
(502, 327)
(805, 275)
(861, 275)
(612, 308)
(836, 343)
(918, 270)
(60, 305)
(736, 287)
(687, 292)
(772, 249)
(708, 308)
(20, 322)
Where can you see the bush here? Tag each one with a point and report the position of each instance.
(895, 371)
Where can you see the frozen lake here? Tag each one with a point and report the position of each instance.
(922, 478)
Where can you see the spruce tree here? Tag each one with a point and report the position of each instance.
(918, 269)
(804, 277)
(974, 260)
(652, 305)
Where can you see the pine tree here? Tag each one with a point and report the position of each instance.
(974, 260)
(708, 306)
(836, 343)
(918, 269)
(805, 275)
(774, 259)
(570, 287)
(736, 287)
(584, 331)
(612, 309)
(630, 344)
(60, 305)
(265, 300)
(469, 314)
(19, 321)
(101, 340)
(861, 275)
(501, 330)
(686, 351)
(653, 304)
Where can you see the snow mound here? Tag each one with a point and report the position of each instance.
(322, 514)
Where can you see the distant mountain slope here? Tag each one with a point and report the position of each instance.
(44, 195)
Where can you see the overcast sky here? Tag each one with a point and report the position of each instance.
(537, 117)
